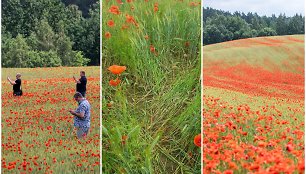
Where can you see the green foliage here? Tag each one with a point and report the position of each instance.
(157, 104)
(83, 5)
(50, 27)
(43, 37)
(43, 58)
(221, 26)
(79, 59)
(14, 51)
(267, 31)
(89, 38)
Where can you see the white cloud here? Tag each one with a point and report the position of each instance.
(262, 7)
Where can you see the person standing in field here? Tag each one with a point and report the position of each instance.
(81, 116)
(17, 91)
(81, 83)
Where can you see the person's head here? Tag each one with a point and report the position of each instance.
(78, 96)
(82, 73)
(18, 76)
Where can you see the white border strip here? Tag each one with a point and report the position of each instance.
(304, 85)
(1, 86)
(100, 85)
(202, 86)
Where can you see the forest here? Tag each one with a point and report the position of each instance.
(220, 26)
(50, 33)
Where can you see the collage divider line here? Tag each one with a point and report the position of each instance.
(202, 85)
(1, 85)
(304, 83)
(101, 123)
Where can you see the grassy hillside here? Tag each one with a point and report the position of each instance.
(278, 52)
(262, 66)
(254, 105)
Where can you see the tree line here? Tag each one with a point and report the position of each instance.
(48, 33)
(221, 26)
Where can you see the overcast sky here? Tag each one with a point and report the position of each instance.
(262, 7)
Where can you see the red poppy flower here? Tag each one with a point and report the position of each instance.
(114, 9)
(119, 2)
(130, 19)
(123, 139)
(115, 82)
(152, 49)
(116, 69)
(155, 9)
(197, 140)
(124, 27)
(289, 147)
(111, 23)
(108, 35)
(187, 44)
(228, 172)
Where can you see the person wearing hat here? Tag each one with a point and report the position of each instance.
(81, 116)
(17, 91)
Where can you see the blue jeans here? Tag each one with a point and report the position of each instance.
(82, 132)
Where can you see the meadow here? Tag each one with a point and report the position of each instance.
(151, 103)
(37, 129)
(253, 118)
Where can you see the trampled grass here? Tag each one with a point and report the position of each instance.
(151, 117)
(254, 106)
(37, 129)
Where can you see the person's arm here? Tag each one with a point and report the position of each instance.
(11, 82)
(80, 115)
(80, 112)
(76, 80)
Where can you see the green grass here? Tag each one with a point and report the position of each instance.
(157, 104)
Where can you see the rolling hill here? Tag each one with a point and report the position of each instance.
(253, 117)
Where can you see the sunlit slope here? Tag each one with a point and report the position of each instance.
(278, 52)
(269, 66)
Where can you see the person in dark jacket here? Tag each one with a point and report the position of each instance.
(81, 83)
(17, 91)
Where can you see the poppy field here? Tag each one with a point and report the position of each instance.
(253, 118)
(37, 129)
(151, 86)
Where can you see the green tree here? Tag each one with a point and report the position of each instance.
(83, 5)
(43, 59)
(65, 52)
(49, 25)
(281, 25)
(21, 16)
(64, 47)
(15, 52)
(267, 32)
(74, 23)
(296, 25)
(43, 37)
(220, 26)
(89, 42)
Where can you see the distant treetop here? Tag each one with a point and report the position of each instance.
(84, 5)
(221, 26)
